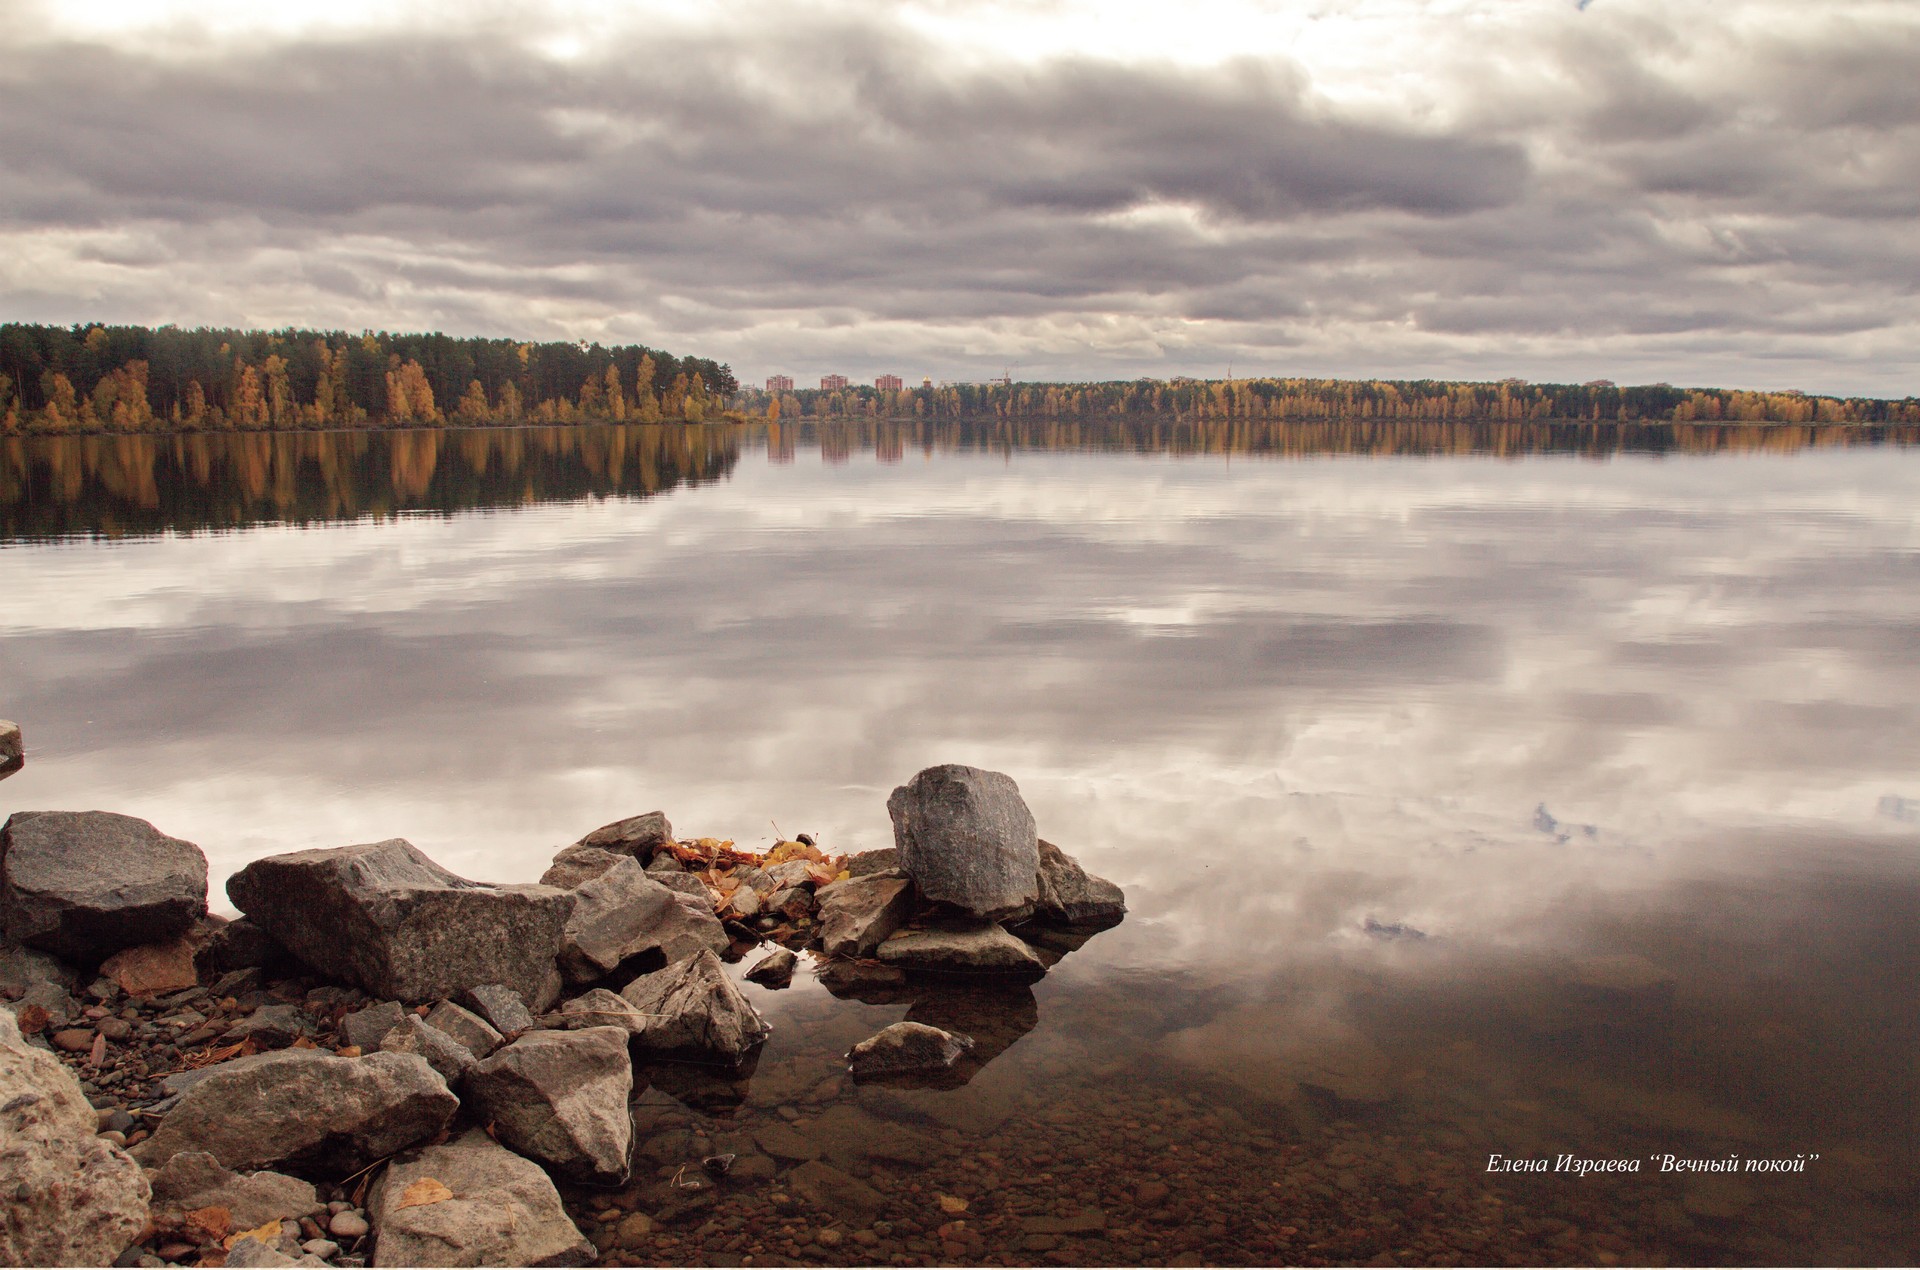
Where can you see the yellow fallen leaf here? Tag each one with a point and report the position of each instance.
(268, 1234)
(427, 1190)
(211, 1223)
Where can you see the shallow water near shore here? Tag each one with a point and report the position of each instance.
(1523, 791)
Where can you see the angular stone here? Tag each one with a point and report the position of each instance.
(574, 865)
(499, 1005)
(443, 1053)
(561, 1098)
(865, 863)
(1070, 896)
(466, 1027)
(85, 884)
(270, 1027)
(147, 969)
(828, 1190)
(624, 914)
(665, 862)
(21, 968)
(504, 1211)
(384, 916)
(194, 1179)
(958, 948)
(858, 914)
(906, 1049)
(966, 838)
(683, 883)
(13, 748)
(775, 970)
(365, 1028)
(601, 1008)
(70, 1198)
(695, 1012)
(239, 945)
(635, 836)
(305, 1110)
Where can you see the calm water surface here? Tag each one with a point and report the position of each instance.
(1523, 791)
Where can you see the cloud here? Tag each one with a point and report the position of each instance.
(1628, 191)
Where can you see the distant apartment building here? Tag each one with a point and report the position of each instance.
(887, 383)
(830, 382)
(779, 383)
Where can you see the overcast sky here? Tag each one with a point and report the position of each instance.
(1713, 192)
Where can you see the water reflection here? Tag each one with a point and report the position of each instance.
(1630, 743)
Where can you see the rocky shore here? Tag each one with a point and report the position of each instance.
(382, 1063)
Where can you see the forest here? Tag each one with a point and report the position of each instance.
(134, 379)
(1431, 400)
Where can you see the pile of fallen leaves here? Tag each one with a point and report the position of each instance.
(722, 866)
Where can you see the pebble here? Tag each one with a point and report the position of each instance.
(73, 1039)
(347, 1225)
(325, 1249)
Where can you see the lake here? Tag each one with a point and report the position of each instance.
(1517, 791)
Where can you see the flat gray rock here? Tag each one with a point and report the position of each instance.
(883, 860)
(856, 915)
(624, 913)
(305, 1110)
(85, 884)
(906, 1049)
(966, 838)
(962, 949)
(561, 1098)
(70, 1198)
(694, 1011)
(504, 1211)
(195, 1179)
(1070, 896)
(385, 917)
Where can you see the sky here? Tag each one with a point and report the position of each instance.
(1724, 192)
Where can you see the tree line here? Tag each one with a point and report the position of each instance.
(1509, 400)
(131, 379)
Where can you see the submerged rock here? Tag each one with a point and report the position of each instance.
(906, 1049)
(966, 838)
(561, 1098)
(502, 1210)
(85, 884)
(305, 1110)
(384, 916)
(70, 1198)
(623, 914)
(694, 1011)
(1070, 896)
(961, 948)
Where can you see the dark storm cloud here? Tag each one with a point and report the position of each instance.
(797, 186)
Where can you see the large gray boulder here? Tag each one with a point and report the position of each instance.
(85, 884)
(636, 836)
(623, 914)
(69, 1198)
(1071, 896)
(305, 1110)
(193, 1180)
(966, 838)
(962, 948)
(561, 1098)
(857, 914)
(384, 916)
(503, 1210)
(695, 1012)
